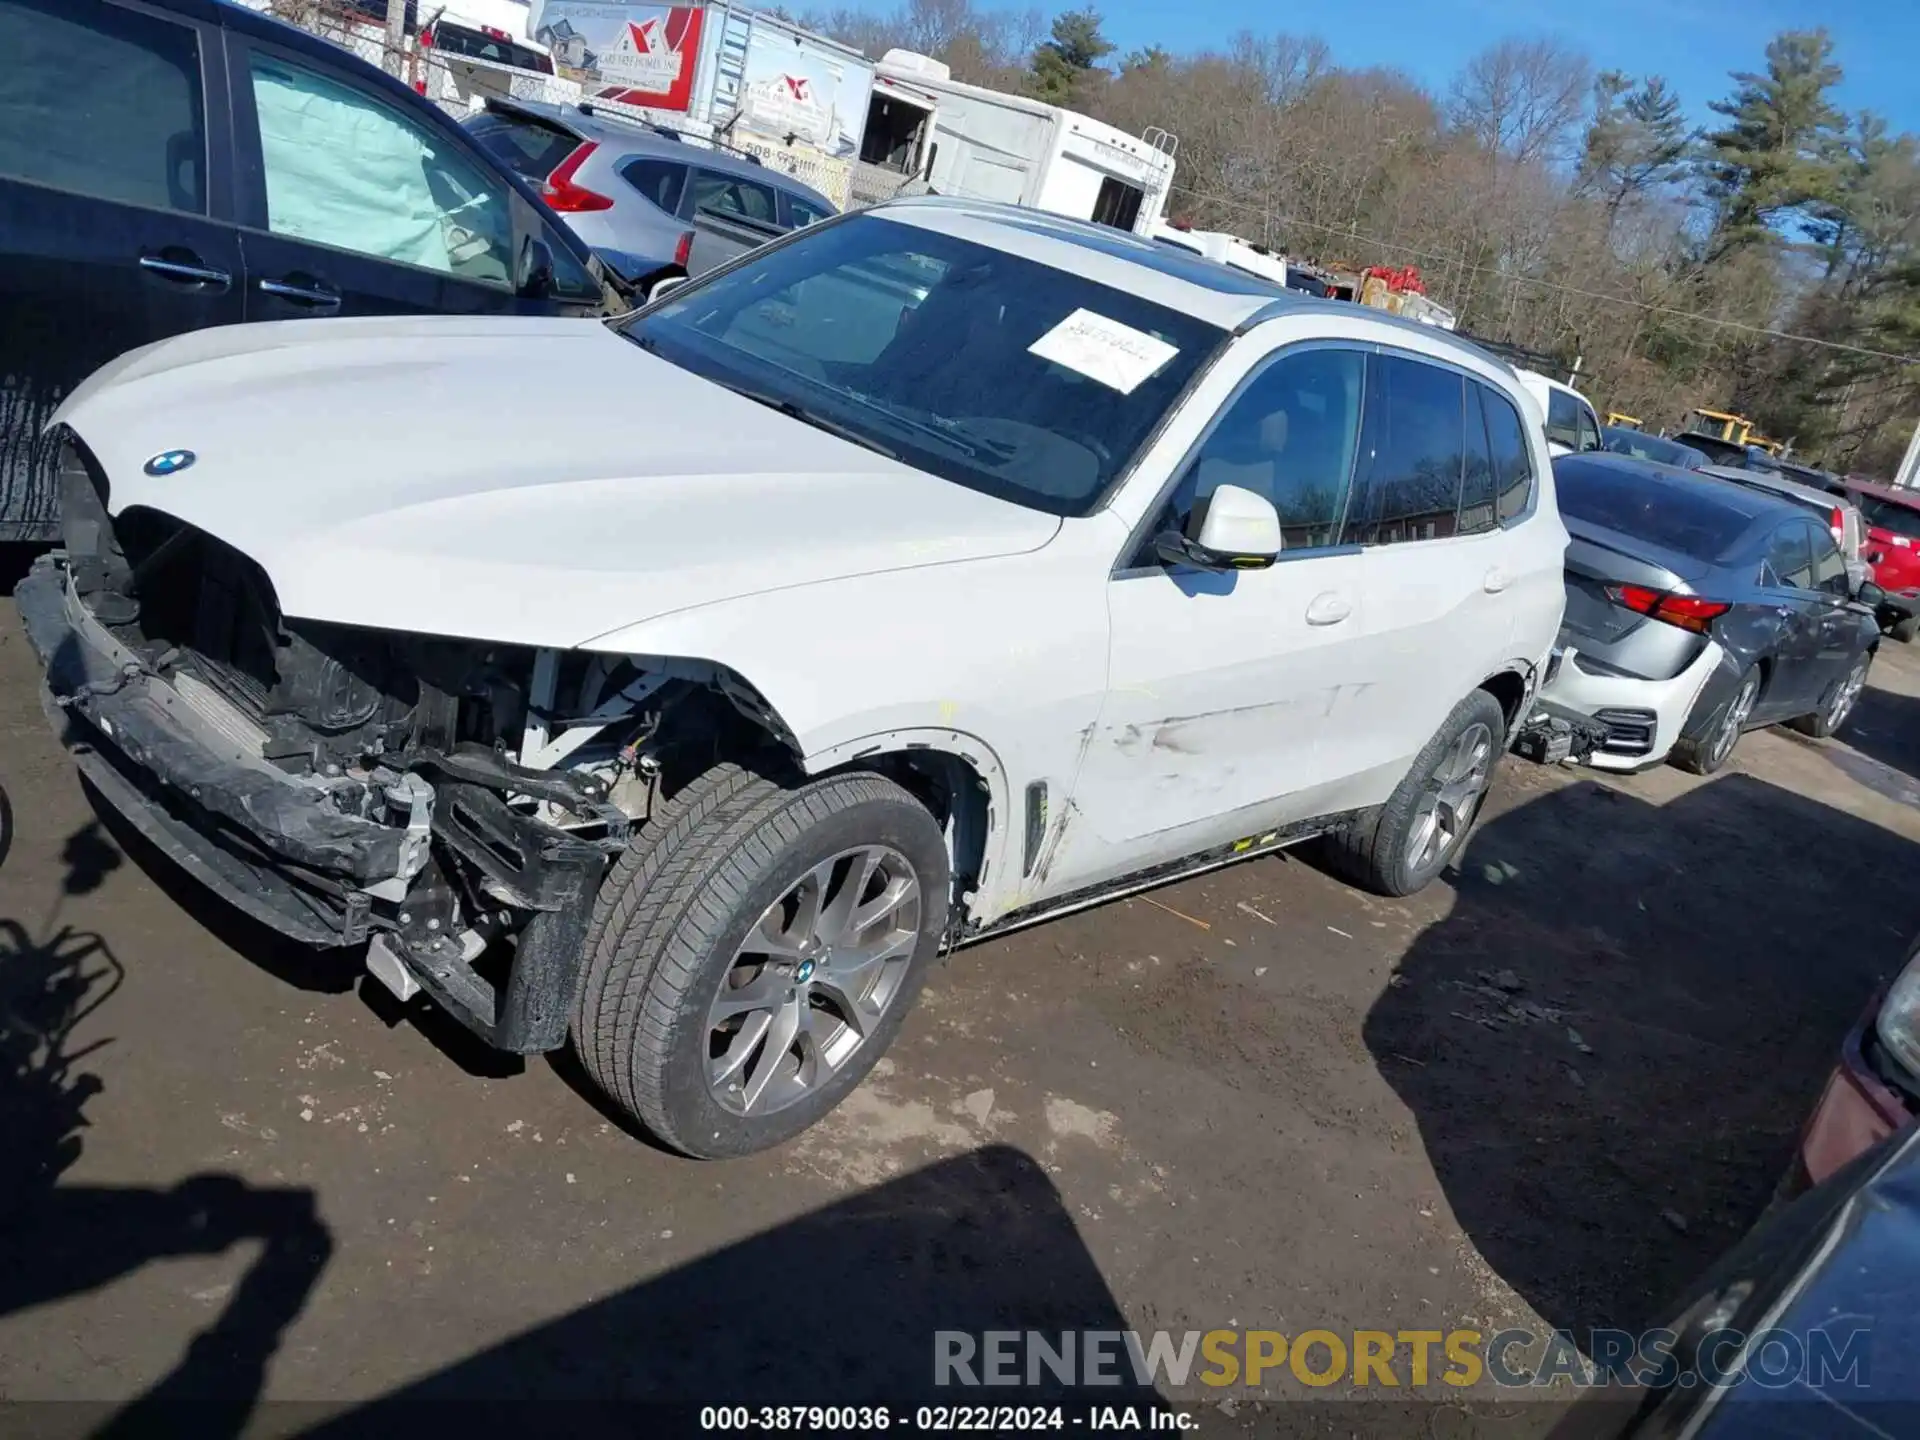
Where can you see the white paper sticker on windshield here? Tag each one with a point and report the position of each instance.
(1118, 356)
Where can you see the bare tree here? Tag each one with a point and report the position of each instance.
(1520, 98)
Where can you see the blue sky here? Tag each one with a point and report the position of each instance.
(1694, 43)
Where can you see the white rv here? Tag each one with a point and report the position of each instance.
(1218, 245)
(990, 146)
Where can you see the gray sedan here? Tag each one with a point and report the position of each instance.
(1698, 609)
(651, 205)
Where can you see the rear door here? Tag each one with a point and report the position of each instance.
(1787, 584)
(113, 206)
(358, 203)
(1837, 622)
(1436, 568)
(747, 210)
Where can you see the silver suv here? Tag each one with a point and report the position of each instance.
(652, 205)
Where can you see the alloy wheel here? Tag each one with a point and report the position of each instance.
(1735, 720)
(1847, 696)
(812, 979)
(1446, 808)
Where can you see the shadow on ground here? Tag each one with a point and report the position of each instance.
(1611, 1042)
(1884, 727)
(839, 1307)
(59, 1239)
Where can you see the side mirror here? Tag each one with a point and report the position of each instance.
(1231, 529)
(665, 287)
(1870, 595)
(536, 271)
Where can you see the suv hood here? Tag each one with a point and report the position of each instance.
(530, 481)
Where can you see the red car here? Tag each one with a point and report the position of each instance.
(1893, 550)
(1874, 1090)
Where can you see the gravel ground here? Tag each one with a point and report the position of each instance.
(1550, 1089)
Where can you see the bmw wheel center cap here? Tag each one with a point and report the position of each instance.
(169, 462)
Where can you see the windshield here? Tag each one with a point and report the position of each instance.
(1890, 515)
(993, 371)
(1692, 519)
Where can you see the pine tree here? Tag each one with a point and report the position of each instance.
(1063, 64)
(1782, 146)
(1636, 143)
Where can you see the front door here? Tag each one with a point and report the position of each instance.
(111, 234)
(357, 205)
(1222, 687)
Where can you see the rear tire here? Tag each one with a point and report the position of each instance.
(686, 938)
(1905, 630)
(1444, 788)
(1704, 754)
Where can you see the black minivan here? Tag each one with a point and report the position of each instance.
(171, 164)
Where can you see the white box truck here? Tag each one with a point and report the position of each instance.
(992, 146)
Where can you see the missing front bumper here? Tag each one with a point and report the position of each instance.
(282, 853)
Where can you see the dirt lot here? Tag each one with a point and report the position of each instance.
(1551, 1088)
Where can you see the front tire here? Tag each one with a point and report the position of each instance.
(1905, 629)
(1838, 705)
(746, 976)
(1399, 848)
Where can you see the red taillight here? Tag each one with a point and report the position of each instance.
(1689, 612)
(1837, 522)
(683, 250)
(565, 196)
(495, 33)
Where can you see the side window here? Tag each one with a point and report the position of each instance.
(1589, 430)
(805, 212)
(345, 169)
(1788, 557)
(1829, 566)
(661, 181)
(105, 102)
(1289, 435)
(731, 195)
(1478, 488)
(1413, 450)
(1512, 456)
(1563, 419)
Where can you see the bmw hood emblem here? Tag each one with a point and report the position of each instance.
(169, 462)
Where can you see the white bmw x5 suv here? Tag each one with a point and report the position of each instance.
(688, 681)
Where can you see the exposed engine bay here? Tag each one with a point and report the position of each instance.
(445, 799)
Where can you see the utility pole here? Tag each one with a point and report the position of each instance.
(394, 60)
(1909, 472)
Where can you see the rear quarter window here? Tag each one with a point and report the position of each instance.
(1689, 518)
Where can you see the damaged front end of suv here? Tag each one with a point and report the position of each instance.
(453, 804)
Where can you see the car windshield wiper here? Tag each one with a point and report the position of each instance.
(946, 432)
(796, 411)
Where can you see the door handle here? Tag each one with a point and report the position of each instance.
(315, 296)
(1496, 581)
(187, 272)
(1328, 608)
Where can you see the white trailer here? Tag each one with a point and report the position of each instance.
(992, 146)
